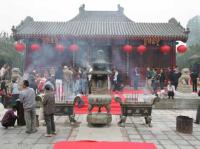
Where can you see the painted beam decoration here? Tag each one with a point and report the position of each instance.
(152, 41)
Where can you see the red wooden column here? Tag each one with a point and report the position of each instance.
(27, 58)
(173, 57)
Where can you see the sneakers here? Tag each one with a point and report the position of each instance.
(34, 131)
(28, 132)
(48, 135)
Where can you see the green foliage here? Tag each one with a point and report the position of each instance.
(184, 61)
(193, 43)
(194, 27)
(8, 53)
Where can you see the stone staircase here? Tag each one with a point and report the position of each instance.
(184, 102)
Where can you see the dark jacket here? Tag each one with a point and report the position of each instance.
(194, 76)
(33, 85)
(8, 118)
(59, 73)
(49, 103)
(162, 77)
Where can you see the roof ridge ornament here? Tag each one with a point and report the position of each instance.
(82, 8)
(174, 21)
(120, 9)
(187, 31)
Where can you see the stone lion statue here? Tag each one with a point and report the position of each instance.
(185, 77)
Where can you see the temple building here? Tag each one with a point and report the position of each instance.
(126, 44)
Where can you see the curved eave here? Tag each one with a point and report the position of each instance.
(131, 37)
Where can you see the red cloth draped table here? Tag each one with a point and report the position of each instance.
(102, 145)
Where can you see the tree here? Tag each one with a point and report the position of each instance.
(8, 53)
(184, 61)
(193, 43)
(194, 27)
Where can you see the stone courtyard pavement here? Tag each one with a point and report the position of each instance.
(162, 133)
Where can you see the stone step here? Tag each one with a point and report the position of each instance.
(178, 103)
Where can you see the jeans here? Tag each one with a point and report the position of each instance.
(49, 119)
(136, 82)
(14, 98)
(30, 118)
(161, 85)
(194, 86)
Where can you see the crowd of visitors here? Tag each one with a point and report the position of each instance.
(60, 83)
(158, 79)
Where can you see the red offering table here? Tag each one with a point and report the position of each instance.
(102, 145)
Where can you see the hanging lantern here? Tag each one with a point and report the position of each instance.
(19, 47)
(141, 49)
(73, 48)
(181, 49)
(127, 48)
(165, 49)
(35, 47)
(60, 47)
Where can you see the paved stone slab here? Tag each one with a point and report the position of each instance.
(188, 147)
(16, 138)
(106, 133)
(162, 133)
(163, 130)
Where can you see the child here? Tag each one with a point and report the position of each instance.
(170, 90)
(9, 118)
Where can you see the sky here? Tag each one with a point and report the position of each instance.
(12, 12)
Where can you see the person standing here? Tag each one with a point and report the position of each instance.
(3, 89)
(155, 81)
(162, 79)
(148, 78)
(67, 82)
(15, 92)
(27, 97)
(136, 78)
(59, 83)
(3, 71)
(49, 109)
(33, 84)
(49, 82)
(84, 83)
(194, 76)
(176, 75)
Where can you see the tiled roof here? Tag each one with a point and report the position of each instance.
(100, 24)
(101, 16)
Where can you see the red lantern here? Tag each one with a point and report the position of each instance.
(60, 47)
(73, 48)
(19, 47)
(127, 48)
(181, 49)
(35, 47)
(141, 49)
(165, 49)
